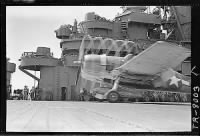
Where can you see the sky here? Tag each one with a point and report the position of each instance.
(28, 27)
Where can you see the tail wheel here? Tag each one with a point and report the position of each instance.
(113, 97)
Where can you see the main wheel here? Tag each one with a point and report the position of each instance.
(113, 97)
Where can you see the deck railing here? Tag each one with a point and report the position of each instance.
(34, 54)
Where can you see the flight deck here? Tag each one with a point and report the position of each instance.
(59, 116)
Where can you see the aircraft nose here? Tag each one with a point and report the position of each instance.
(92, 63)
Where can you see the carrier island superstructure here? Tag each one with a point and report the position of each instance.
(60, 77)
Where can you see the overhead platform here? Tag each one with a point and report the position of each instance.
(53, 80)
(35, 60)
(35, 63)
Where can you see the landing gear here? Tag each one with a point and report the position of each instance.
(113, 97)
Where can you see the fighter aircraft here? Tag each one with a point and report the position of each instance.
(135, 76)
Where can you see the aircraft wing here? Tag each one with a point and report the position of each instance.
(161, 55)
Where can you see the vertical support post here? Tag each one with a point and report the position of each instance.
(34, 79)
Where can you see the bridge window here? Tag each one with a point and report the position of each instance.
(71, 52)
(111, 53)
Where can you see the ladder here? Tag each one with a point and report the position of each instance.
(124, 27)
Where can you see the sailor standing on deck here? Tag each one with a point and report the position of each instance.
(25, 92)
(32, 93)
(29, 94)
(83, 91)
(81, 95)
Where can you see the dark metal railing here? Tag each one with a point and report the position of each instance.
(34, 54)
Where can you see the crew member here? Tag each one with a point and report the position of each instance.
(32, 93)
(37, 94)
(29, 94)
(82, 93)
(25, 92)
